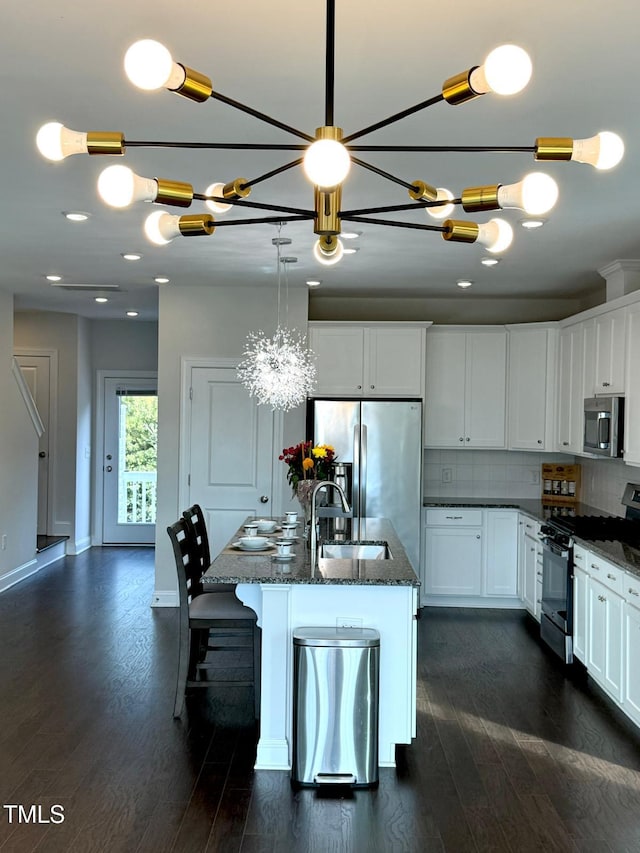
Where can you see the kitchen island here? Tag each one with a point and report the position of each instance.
(285, 595)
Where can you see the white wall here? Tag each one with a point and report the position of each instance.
(18, 464)
(208, 322)
(82, 524)
(124, 345)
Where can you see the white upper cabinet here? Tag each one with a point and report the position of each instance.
(632, 391)
(465, 401)
(368, 361)
(605, 337)
(532, 371)
(571, 389)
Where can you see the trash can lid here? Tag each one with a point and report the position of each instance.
(340, 637)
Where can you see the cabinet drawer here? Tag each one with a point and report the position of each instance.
(580, 557)
(454, 516)
(607, 574)
(632, 589)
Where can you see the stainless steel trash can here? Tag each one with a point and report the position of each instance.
(336, 675)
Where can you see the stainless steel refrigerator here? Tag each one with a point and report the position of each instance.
(382, 441)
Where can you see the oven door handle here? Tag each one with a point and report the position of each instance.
(555, 548)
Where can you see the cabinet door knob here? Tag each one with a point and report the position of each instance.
(358, 387)
(477, 535)
(372, 386)
(539, 441)
(461, 438)
(468, 439)
(565, 444)
(606, 384)
(264, 499)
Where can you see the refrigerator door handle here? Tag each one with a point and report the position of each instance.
(363, 472)
(355, 485)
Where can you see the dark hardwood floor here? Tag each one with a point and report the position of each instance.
(512, 754)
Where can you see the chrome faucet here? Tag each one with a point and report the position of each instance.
(314, 514)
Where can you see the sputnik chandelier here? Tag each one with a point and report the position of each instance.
(327, 157)
(278, 370)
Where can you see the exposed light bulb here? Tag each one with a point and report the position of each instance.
(604, 150)
(55, 141)
(161, 228)
(149, 66)
(443, 210)
(495, 235)
(118, 186)
(505, 71)
(216, 206)
(536, 193)
(326, 163)
(328, 258)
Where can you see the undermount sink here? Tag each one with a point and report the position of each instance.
(355, 551)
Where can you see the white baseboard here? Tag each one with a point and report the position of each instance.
(79, 545)
(165, 598)
(14, 576)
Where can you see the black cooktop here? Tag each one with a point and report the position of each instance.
(599, 527)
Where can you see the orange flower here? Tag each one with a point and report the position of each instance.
(307, 463)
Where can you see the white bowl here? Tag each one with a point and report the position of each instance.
(252, 542)
(265, 525)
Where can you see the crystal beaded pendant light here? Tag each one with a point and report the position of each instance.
(279, 370)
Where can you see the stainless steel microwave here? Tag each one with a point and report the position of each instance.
(604, 426)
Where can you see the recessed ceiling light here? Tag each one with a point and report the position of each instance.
(161, 279)
(532, 223)
(53, 277)
(132, 313)
(314, 282)
(350, 235)
(131, 256)
(101, 299)
(464, 283)
(490, 262)
(75, 215)
(351, 251)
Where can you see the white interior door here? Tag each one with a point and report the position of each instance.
(37, 373)
(231, 453)
(130, 461)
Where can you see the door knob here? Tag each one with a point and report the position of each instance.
(264, 499)
(109, 469)
(42, 454)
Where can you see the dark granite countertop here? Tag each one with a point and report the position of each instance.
(264, 567)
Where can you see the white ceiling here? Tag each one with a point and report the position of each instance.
(62, 61)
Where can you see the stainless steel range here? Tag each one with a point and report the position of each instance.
(558, 533)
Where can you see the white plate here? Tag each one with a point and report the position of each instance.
(241, 547)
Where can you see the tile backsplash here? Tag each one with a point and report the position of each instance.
(485, 473)
(516, 474)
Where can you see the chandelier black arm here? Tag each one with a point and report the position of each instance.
(306, 214)
(258, 220)
(272, 173)
(225, 146)
(369, 221)
(262, 116)
(330, 62)
(396, 117)
(416, 205)
(382, 173)
(449, 149)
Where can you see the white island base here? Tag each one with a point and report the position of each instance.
(282, 607)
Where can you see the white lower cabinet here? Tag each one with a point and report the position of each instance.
(470, 557)
(604, 637)
(530, 565)
(606, 632)
(631, 671)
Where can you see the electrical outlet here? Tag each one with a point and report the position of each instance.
(534, 477)
(348, 622)
(447, 475)
(4, 541)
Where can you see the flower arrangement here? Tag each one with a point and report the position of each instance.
(307, 461)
